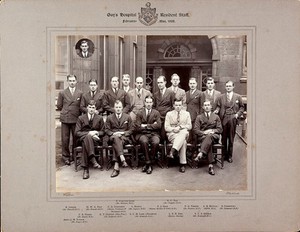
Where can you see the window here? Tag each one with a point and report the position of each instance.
(177, 51)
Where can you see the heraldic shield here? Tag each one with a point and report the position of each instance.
(148, 15)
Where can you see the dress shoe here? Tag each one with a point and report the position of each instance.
(67, 162)
(229, 160)
(124, 164)
(149, 170)
(211, 171)
(86, 174)
(115, 173)
(145, 168)
(98, 166)
(182, 169)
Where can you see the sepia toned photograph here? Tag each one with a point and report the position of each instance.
(195, 136)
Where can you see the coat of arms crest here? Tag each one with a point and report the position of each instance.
(148, 15)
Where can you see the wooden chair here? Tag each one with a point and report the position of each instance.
(98, 155)
(129, 151)
(160, 156)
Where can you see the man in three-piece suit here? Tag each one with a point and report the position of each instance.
(194, 101)
(177, 125)
(112, 95)
(93, 94)
(210, 93)
(229, 107)
(137, 97)
(163, 101)
(147, 128)
(89, 129)
(126, 82)
(68, 103)
(207, 128)
(119, 129)
(179, 93)
(84, 49)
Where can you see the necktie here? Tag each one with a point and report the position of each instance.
(93, 94)
(161, 93)
(118, 116)
(72, 91)
(148, 114)
(115, 90)
(178, 117)
(91, 120)
(139, 93)
(207, 115)
(210, 92)
(228, 97)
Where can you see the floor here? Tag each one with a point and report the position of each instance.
(232, 177)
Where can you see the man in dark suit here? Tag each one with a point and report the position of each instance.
(93, 94)
(163, 101)
(137, 97)
(84, 49)
(89, 129)
(113, 94)
(210, 93)
(194, 101)
(207, 128)
(229, 107)
(147, 128)
(68, 103)
(119, 129)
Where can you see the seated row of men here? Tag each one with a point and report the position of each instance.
(146, 130)
(72, 102)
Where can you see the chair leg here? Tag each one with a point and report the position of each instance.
(75, 159)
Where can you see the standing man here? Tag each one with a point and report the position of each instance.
(93, 94)
(137, 97)
(126, 82)
(89, 129)
(207, 128)
(179, 93)
(68, 103)
(163, 101)
(119, 129)
(229, 107)
(194, 99)
(114, 94)
(148, 126)
(210, 93)
(177, 125)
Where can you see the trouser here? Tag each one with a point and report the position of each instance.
(229, 123)
(67, 129)
(179, 143)
(88, 150)
(117, 144)
(193, 139)
(206, 145)
(144, 140)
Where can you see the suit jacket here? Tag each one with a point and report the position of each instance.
(69, 105)
(83, 126)
(180, 94)
(194, 103)
(113, 124)
(164, 104)
(213, 98)
(171, 120)
(89, 54)
(133, 96)
(202, 123)
(109, 98)
(236, 105)
(153, 122)
(86, 97)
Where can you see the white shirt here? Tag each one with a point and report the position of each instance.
(72, 90)
(119, 116)
(230, 95)
(126, 88)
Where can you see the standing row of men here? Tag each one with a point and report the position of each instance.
(150, 117)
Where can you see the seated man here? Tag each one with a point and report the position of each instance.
(148, 126)
(119, 130)
(89, 128)
(177, 125)
(207, 128)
